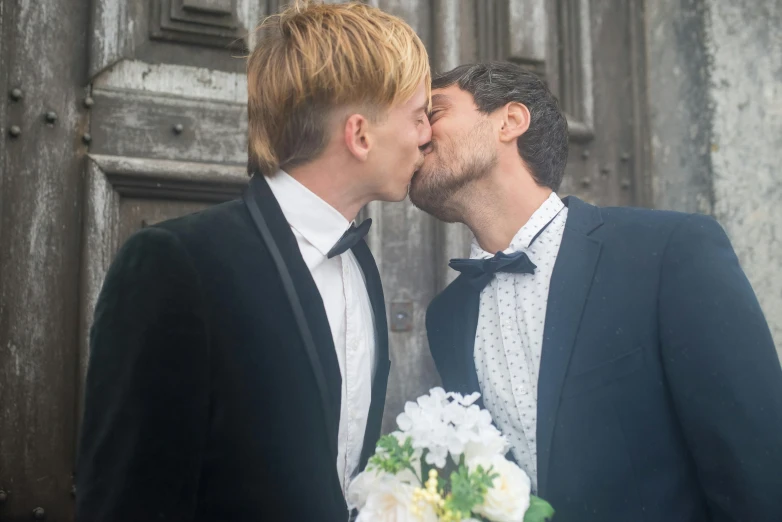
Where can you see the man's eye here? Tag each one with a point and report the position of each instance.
(433, 113)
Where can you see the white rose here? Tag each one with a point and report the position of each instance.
(361, 486)
(392, 501)
(370, 480)
(508, 498)
(487, 445)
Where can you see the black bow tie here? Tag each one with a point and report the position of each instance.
(480, 271)
(350, 238)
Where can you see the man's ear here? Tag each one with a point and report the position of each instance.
(357, 138)
(516, 119)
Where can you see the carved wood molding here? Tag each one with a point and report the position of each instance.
(126, 29)
(519, 32)
(575, 67)
(184, 180)
(211, 23)
(492, 17)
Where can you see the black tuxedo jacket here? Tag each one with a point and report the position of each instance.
(660, 390)
(207, 398)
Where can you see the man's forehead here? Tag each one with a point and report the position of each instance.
(439, 98)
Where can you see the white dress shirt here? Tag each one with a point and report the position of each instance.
(317, 227)
(509, 337)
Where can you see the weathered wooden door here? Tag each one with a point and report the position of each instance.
(133, 111)
(43, 75)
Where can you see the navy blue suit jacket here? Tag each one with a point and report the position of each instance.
(660, 390)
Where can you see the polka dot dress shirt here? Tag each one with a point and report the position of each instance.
(509, 337)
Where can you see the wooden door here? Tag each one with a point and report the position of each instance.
(43, 71)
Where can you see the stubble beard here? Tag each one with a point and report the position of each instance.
(441, 189)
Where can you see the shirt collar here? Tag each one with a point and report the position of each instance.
(317, 221)
(523, 238)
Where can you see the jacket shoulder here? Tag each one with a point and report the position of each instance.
(648, 226)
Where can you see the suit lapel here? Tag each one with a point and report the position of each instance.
(304, 297)
(465, 323)
(570, 284)
(382, 365)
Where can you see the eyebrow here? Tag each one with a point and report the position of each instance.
(441, 99)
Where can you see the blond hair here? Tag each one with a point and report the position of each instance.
(314, 58)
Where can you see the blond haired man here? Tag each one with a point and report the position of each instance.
(239, 356)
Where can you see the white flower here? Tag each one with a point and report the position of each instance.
(392, 501)
(447, 423)
(465, 401)
(372, 479)
(423, 421)
(361, 486)
(480, 438)
(508, 498)
(486, 443)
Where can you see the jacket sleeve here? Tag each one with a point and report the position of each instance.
(723, 373)
(147, 388)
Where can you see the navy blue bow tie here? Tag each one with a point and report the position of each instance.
(350, 238)
(480, 271)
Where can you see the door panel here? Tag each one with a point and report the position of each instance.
(152, 126)
(596, 70)
(138, 213)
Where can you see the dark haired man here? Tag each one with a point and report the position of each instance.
(622, 350)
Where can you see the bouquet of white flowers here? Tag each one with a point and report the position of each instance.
(445, 464)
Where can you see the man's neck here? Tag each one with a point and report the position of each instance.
(324, 179)
(499, 206)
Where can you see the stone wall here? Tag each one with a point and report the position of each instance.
(715, 96)
(745, 42)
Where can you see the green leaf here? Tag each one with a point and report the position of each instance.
(468, 489)
(392, 457)
(539, 510)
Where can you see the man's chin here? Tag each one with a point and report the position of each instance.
(417, 201)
